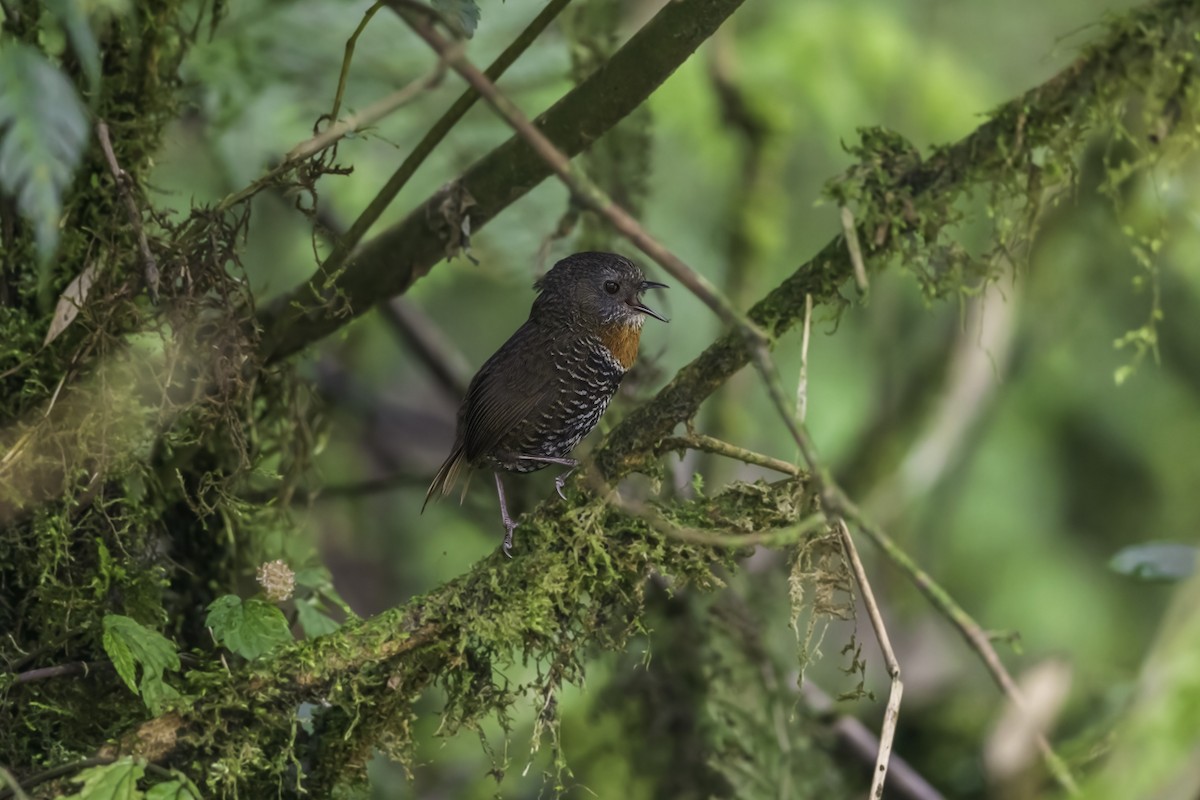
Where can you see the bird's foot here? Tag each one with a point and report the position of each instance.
(561, 481)
(509, 527)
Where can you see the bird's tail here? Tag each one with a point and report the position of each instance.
(447, 475)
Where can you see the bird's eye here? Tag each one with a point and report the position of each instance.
(612, 287)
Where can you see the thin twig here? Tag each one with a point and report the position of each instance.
(584, 190)
(338, 131)
(149, 263)
(891, 713)
(856, 257)
(779, 537)
(802, 383)
(348, 56)
(347, 242)
(10, 783)
(59, 671)
(365, 118)
(977, 638)
(825, 486)
(709, 444)
(837, 505)
(903, 780)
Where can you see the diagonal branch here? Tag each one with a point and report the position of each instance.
(582, 189)
(1051, 118)
(391, 262)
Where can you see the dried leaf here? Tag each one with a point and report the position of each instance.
(70, 302)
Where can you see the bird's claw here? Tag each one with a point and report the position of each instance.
(558, 487)
(508, 538)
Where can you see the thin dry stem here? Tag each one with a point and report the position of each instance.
(365, 118)
(855, 249)
(710, 444)
(338, 131)
(802, 383)
(149, 263)
(891, 714)
(978, 639)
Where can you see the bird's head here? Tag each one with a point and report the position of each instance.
(596, 289)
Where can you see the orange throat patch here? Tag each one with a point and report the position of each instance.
(622, 342)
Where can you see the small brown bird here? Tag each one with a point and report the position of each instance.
(546, 387)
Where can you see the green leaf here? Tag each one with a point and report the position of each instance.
(248, 628)
(172, 790)
(1156, 562)
(312, 620)
(157, 694)
(115, 781)
(464, 14)
(130, 644)
(321, 582)
(74, 19)
(43, 128)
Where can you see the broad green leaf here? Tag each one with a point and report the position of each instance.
(1156, 561)
(312, 620)
(43, 128)
(248, 628)
(73, 17)
(462, 13)
(130, 644)
(115, 781)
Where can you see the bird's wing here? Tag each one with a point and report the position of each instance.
(514, 384)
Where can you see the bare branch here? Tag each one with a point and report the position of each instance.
(891, 713)
(121, 177)
(708, 444)
(903, 779)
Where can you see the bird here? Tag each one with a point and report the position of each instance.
(547, 386)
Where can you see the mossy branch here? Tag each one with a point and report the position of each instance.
(577, 587)
(1151, 49)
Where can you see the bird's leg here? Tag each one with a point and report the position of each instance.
(561, 480)
(509, 525)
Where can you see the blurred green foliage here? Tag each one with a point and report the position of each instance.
(1056, 469)
(1013, 441)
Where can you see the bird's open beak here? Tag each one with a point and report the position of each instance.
(637, 305)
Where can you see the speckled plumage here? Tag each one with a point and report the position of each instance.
(547, 386)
